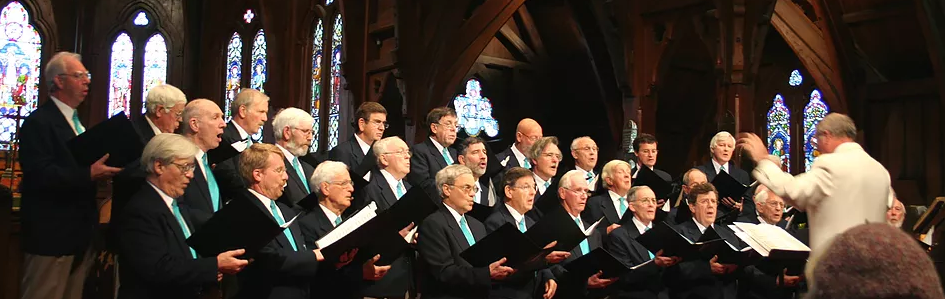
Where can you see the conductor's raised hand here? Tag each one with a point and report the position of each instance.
(101, 171)
(753, 146)
(499, 272)
(227, 263)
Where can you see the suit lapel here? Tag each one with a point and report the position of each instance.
(437, 156)
(355, 149)
(202, 185)
(63, 130)
(294, 175)
(170, 221)
(454, 229)
(610, 212)
(386, 193)
(641, 251)
(280, 238)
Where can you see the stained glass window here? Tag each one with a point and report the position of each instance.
(259, 62)
(475, 111)
(155, 65)
(814, 112)
(333, 117)
(328, 2)
(234, 65)
(316, 81)
(119, 91)
(20, 53)
(141, 19)
(779, 136)
(795, 78)
(248, 16)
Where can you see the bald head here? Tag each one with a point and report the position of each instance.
(203, 123)
(526, 133)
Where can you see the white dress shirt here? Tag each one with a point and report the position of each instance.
(392, 181)
(540, 183)
(519, 156)
(439, 149)
(67, 112)
(266, 201)
(699, 225)
(199, 157)
(616, 199)
(328, 213)
(243, 134)
(580, 223)
(515, 214)
(592, 184)
(364, 146)
(642, 228)
(153, 127)
(169, 201)
(457, 217)
(719, 166)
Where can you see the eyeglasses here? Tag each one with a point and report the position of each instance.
(775, 204)
(304, 131)
(400, 153)
(524, 187)
(551, 155)
(185, 168)
(532, 138)
(588, 148)
(448, 125)
(706, 201)
(585, 192)
(79, 75)
(380, 124)
(646, 200)
(343, 183)
(467, 188)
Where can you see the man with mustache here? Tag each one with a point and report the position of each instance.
(584, 150)
(203, 125)
(156, 260)
(645, 282)
(292, 128)
(249, 112)
(371, 121)
(722, 146)
(434, 153)
(896, 213)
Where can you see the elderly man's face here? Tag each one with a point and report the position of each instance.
(547, 163)
(705, 208)
(644, 207)
(373, 127)
(475, 158)
(339, 189)
(444, 131)
(772, 209)
(299, 138)
(647, 154)
(521, 194)
(397, 158)
(528, 135)
(272, 178)
(723, 150)
(74, 83)
(896, 214)
(575, 197)
(168, 121)
(174, 177)
(585, 154)
(255, 115)
(619, 180)
(460, 195)
(210, 127)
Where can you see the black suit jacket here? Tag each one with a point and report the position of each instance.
(156, 261)
(58, 206)
(400, 275)
(643, 283)
(228, 172)
(444, 273)
(348, 152)
(425, 163)
(662, 174)
(127, 182)
(602, 206)
(520, 285)
(197, 198)
(694, 278)
(760, 282)
(328, 282)
(742, 177)
(576, 287)
(279, 271)
(294, 190)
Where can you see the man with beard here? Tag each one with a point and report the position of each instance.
(474, 156)
(896, 213)
(292, 128)
(584, 150)
(249, 111)
(611, 205)
(644, 282)
(434, 153)
(203, 125)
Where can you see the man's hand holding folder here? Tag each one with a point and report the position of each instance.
(556, 256)
(665, 261)
(372, 272)
(595, 282)
(499, 272)
(101, 171)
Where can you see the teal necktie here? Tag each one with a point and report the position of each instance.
(651, 253)
(400, 189)
(589, 176)
(337, 220)
(521, 225)
(722, 168)
(623, 206)
(298, 170)
(77, 123)
(280, 221)
(584, 247)
(211, 184)
(465, 229)
(446, 156)
(183, 225)
(547, 184)
(526, 164)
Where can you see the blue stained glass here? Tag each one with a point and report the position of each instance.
(316, 82)
(20, 54)
(141, 19)
(155, 65)
(333, 117)
(260, 70)
(814, 112)
(796, 78)
(475, 111)
(328, 2)
(119, 91)
(234, 72)
(779, 134)
(248, 16)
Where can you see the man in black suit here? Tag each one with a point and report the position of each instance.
(645, 148)
(434, 153)
(574, 192)
(763, 279)
(722, 146)
(284, 268)
(156, 260)
(164, 107)
(59, 211)
(203, 124)
(698, 278)
(584, 150)
(249, 112)
(473, 155)
(371, 119)
(526, 133)
(292, 128)
(645, 282)
(519, 191)
(611, 205)
(385, 188)
(544, 156)
(690, 179)
(446, 234)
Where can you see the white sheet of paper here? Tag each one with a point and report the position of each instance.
(353, 223)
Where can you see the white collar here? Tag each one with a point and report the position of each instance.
(67, 112)
(699, 225)
(289, 156)
(728, 169)
(540, 183)
(635, 173)
(640, 226)
(479, 194)
(328, 213)
(243, 134)
(515, 214)
(615, 197)
(154, 128)
(456, 215)
(580, 223)
(584, 172)
(519, 156)
(391, 181)
(167, 199)
(199, 157)
(364, 146)
(439, 147)
(265, 201)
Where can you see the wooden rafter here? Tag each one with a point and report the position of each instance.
(517, 42)
(528, 24)
(932, 21)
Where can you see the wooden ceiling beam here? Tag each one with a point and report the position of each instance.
(533, 36)
(517, 42)
(878, 14)
(661, 6)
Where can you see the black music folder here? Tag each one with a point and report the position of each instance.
(549, 200)
(239, 224)
(225, 151)
(480, 212)
(665, 237)
(557, 225)
(493, 167)
(309, 202)
(598, 260)
(728, 186)
(508, 242)
(115, 136)
(732, 255)
(646, 177)
(368, 163)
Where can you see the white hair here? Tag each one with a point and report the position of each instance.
(718, 136)
(166, 147)
(632, 195)
(761, 194)
(565, 181)
(247, 97)
(838, 125)
(448, 175)
(290, 118)
(57, 67)
(610, 168)
(574, 143)
(324, 173)
(164, 95)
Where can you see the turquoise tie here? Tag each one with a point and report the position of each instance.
(651, 254)
(183, 225)
(521, 225)
(527, 165)
(623, 206)
(547, 184)
(77, 123)
(337, 220)
(298, 170)
(278, 216)
(584, 247)
(211, 184)
(589, 176)
(722, 168)
(465, 229)
(400, 189)
(446, 156)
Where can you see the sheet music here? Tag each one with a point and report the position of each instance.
(287, 224)
(240, 146)
(353, 223)
(765, 238)
(666, 206)
(642, 264)
(410, 235)
(590, 230)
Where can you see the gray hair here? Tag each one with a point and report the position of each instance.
(838, 125)
(718, 136)
(324, 173)
(381, 147)
(685, 177)
(566, 179)
(57, 67)
(164, 95)
(166, 147)
(448, 175)
(632, 195)
(609, 169)
(574, 143)
(761, 194)
(247, 97)
(290, 118)
(539, 146)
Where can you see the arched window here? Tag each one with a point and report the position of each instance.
(138, 54)
(20, 53)
(254, 58)
(328, 38)
(474, 112)
(814, 112)
(779, 132)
